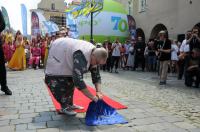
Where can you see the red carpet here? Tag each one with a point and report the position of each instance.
(82, 100)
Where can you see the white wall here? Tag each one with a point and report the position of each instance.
(177, 15)
(46, 4)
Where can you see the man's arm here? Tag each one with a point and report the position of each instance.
(2, 22)
(80, 65)
(192, 67)
(189, 40)
(165, 51)
(96, 79)
(198, 38)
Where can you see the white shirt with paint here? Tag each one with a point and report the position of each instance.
(184, 46)
(116, 50)
(174, 53)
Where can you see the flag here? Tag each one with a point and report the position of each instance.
(6, 18)
(71, 23)
(51, 26)
(24, 19)
(35, 26)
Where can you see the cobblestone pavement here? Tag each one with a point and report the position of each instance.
(151, 108)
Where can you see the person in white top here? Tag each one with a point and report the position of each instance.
(174, 56)
(115, 55)
(67, 61)
(184, 52)
(175, 49)
(127, 46)
(131, 57)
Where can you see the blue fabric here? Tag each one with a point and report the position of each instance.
(101, 113)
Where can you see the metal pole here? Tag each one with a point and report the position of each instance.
(130, 4)
(91, 32)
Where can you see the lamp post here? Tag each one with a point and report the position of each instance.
(91, 25)
(129, 5)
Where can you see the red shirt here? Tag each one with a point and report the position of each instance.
(36, 51)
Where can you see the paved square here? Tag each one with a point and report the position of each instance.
(151, 108)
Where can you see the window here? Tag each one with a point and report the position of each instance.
(142, 5)
(59, 20)
(53, 7)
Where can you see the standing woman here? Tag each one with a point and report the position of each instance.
(174, 56)
(47, 46)
(3, 77)
(18, 61)
(115, 55)
(8, 48)
(131, 56)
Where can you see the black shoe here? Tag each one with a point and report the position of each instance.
(6, 90)
(116, 71)
(179, 78)
(162, 83)
(196, 85)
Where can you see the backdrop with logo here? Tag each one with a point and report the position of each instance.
(110, 23)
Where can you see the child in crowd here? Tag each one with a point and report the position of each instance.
(35, 57)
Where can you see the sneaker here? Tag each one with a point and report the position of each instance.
(77, 107)
(116, 71)
(66, 111)
(111, 71)
(6, 90)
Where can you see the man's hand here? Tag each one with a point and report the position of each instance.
(192, 67)
(95, 99)
(99, 95)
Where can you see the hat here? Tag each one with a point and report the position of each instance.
(162, 32)
(62, 32)
(62, 28)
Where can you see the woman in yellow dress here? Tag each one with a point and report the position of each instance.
(18, 60)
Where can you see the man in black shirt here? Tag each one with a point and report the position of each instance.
(164, 50)
(3, 80)
(139, 53)
(194, 41)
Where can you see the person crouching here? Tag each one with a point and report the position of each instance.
(68, 60)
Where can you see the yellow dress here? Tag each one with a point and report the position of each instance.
(18, 60)
(46, 55)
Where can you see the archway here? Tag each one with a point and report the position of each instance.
(197, 25)
(157, 29)
(140, 33)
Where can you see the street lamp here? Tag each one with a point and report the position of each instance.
(91, 25)
(129, 4)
